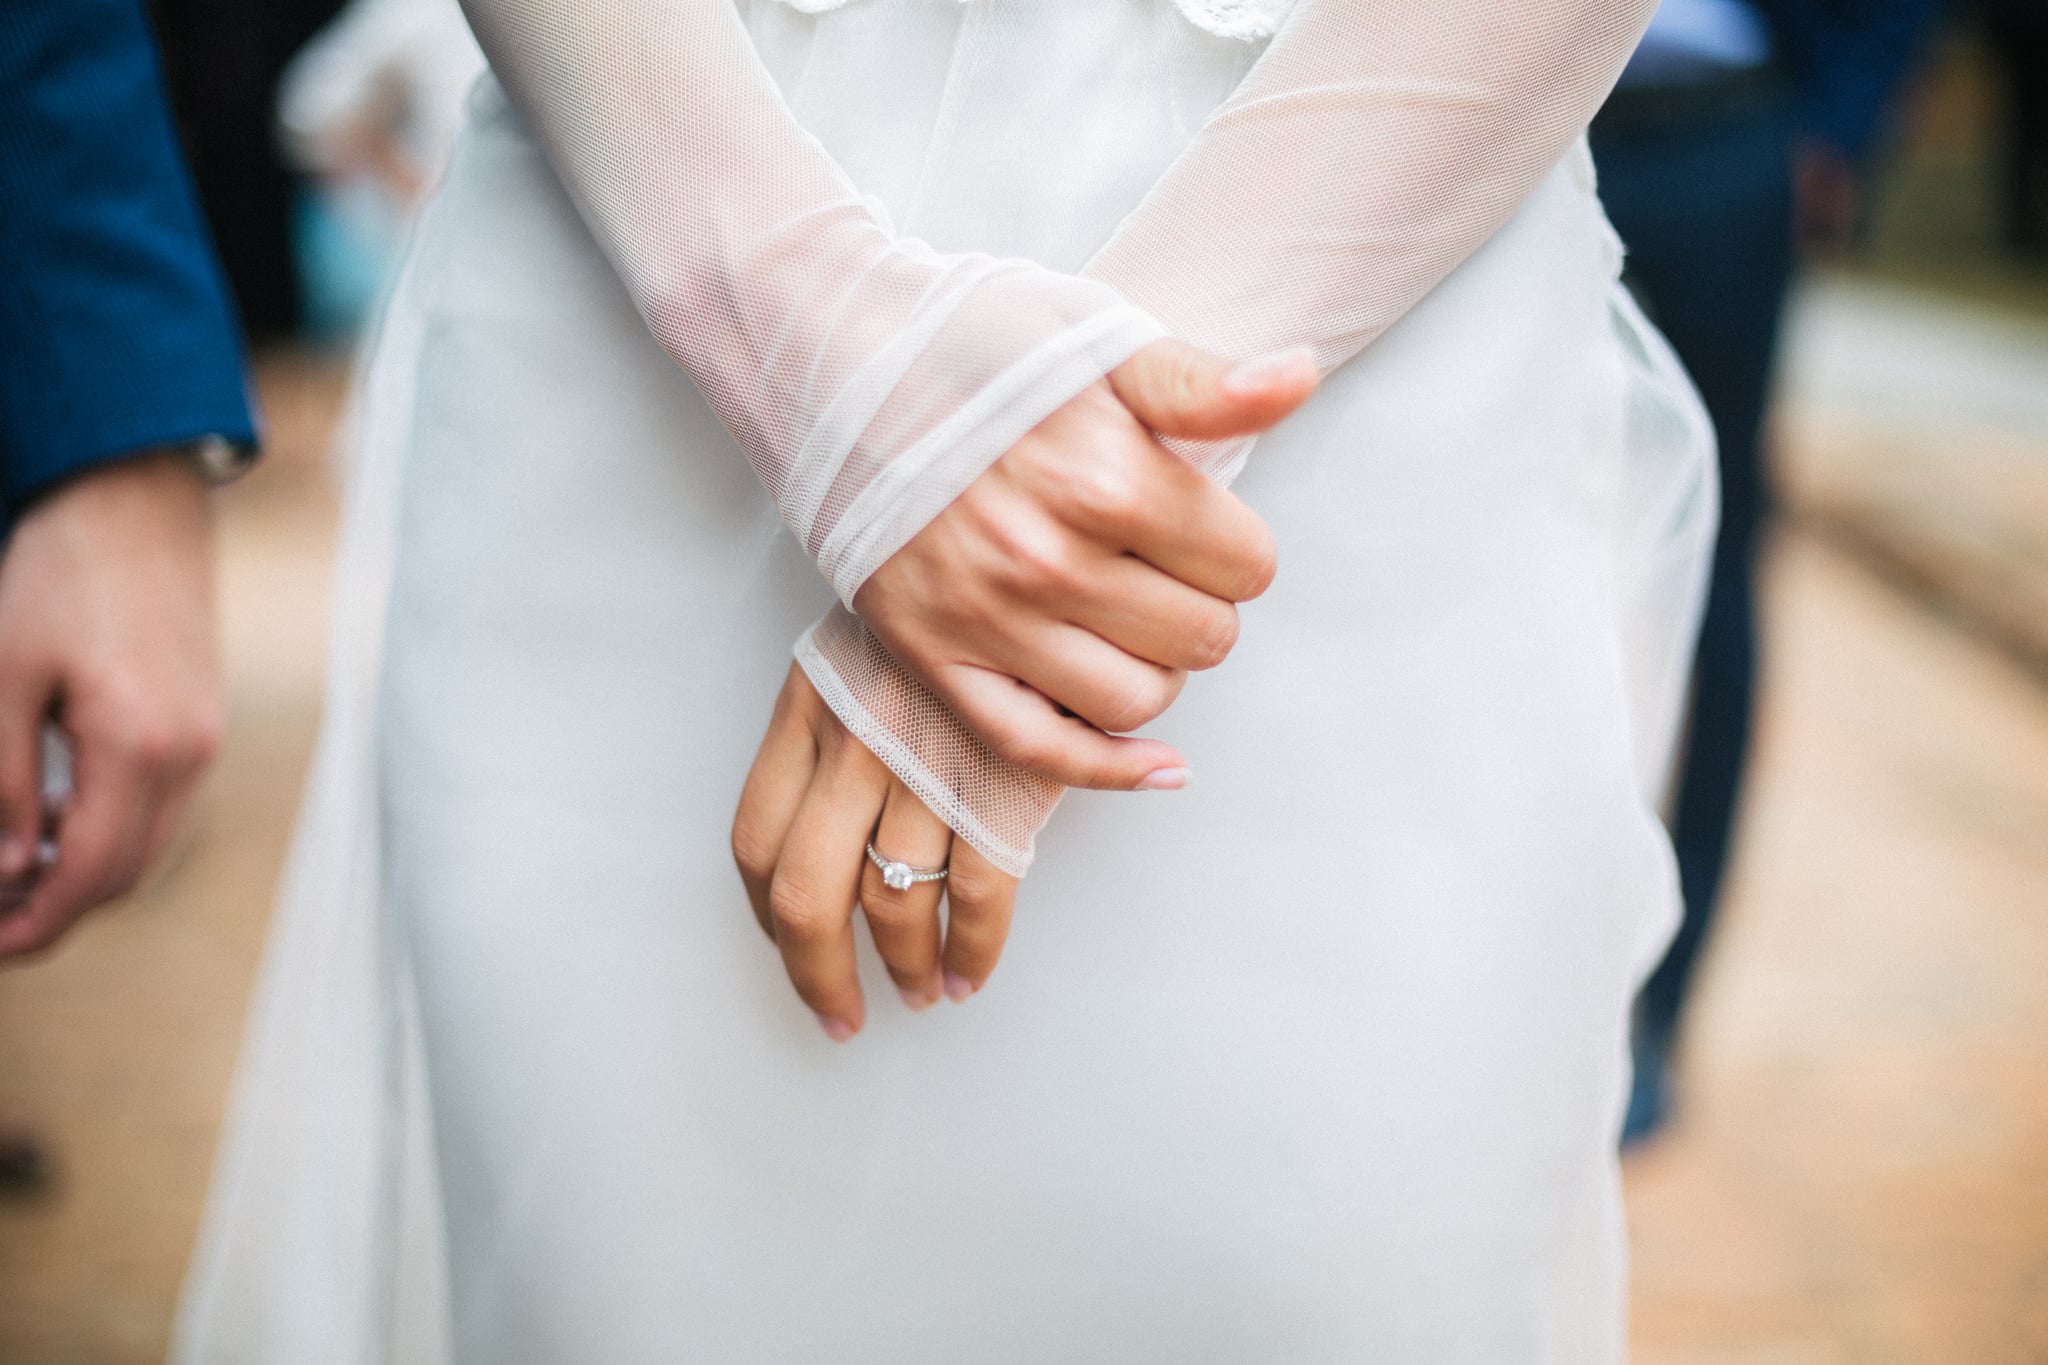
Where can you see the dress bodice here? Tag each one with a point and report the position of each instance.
(1022, 128)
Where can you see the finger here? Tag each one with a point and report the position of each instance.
(1181, 390)
(980, 898)
(176, 778)
(24, 701)
(1155, 617)
(1117, 485)
(1145, 499)
(15, 893)
(101, 846)
(1206, 536)
(905, 923)
(817, 882)
(1080, 671)
(1024, 728)
(56, 805)
(774, 791)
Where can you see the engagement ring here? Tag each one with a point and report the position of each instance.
(902, 876)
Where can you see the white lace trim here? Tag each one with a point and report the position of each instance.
(1225, 18)
(1237, 18)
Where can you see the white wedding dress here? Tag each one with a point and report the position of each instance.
(1321, 1060)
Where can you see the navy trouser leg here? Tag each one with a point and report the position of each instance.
(1707, 217)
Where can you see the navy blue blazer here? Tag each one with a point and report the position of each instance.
(116, 329)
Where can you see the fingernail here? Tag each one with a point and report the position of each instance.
(958, 987)
(1251, 376)
(838, 1030)
(1166, 780)
(918, 1001)
(13, 856)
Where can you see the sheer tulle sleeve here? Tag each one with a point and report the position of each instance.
(1373, 147)
(869, 378)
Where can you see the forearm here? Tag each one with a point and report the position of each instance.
(1373, 148)
(996, 806)
(868, 378)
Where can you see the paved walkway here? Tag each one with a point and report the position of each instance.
(1916, 436)
(1860, 1172)
(1859, 1175)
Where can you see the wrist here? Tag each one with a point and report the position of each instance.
(152, 491)
(166, 476)
(212, 459)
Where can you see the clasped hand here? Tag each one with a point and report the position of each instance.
(1059, 600)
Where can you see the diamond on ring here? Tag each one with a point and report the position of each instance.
(901, 876)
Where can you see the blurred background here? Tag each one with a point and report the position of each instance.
(1852, 1167)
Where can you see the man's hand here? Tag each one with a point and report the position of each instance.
(1093, 566)
(106, 629)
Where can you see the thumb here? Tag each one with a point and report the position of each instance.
(1181, 390)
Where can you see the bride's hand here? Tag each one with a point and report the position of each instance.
(814, 800)
(1093, 565)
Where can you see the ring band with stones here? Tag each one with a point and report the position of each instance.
(899, 876)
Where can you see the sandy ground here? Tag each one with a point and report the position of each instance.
(1859, 1174)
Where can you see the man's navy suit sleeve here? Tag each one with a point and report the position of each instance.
(116, 329)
